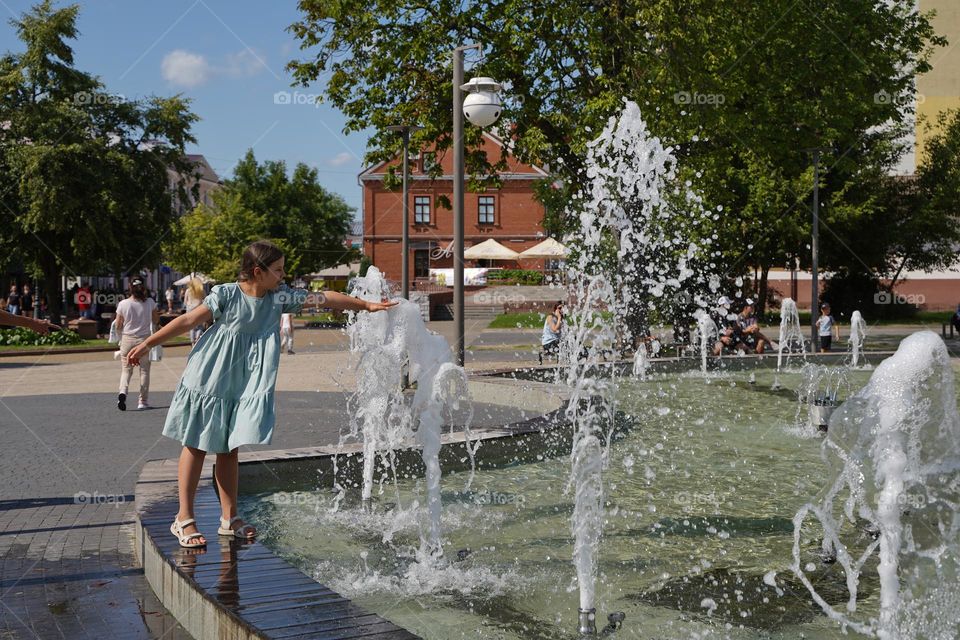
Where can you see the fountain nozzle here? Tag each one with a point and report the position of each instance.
(588, 622)
(614, 622)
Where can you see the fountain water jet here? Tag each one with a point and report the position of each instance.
(634, 254)
(384, 342)
(894, 448)
(858, 332)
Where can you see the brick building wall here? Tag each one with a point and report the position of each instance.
(510, 215)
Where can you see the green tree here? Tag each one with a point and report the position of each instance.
(739, 89)
(85, 171)
(312, 221)
(211, 239)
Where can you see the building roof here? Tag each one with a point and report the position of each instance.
(377, 171)
(203, 167)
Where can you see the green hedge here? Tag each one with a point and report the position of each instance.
(515, 276)
(19, 336)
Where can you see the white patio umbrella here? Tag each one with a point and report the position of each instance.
(549, 248)
(196, 274)
(490, 250)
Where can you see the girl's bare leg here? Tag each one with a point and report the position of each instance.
(188, 476)
(226, 475)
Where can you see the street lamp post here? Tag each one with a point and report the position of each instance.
(814, 249)
(483, 110)
(405, 130)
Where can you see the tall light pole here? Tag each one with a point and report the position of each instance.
(483, 110)
(405, 130)
(814, 249)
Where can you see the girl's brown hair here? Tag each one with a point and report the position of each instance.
(261, 253)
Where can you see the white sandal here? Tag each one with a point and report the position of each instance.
(184, 538)
(244, 533)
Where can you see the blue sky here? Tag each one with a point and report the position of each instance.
(229, 58)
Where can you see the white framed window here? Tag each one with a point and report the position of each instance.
(421, 209)
(486, 209)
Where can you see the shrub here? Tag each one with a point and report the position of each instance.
(515, 276)
(19, 336)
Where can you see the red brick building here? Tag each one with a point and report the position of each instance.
(510, 215)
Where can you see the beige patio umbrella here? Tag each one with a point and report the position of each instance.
(549, 248)
(490, 250)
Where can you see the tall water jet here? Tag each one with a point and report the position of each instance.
(633, 253)
(858, 332)
(384, 342)
(707, 332)
(894, 450)
(791, 337)
(641, 363)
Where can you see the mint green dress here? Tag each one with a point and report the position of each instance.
(225, 396)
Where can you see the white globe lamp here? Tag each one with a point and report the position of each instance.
(482, 105)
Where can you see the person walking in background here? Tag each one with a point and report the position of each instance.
(26, 301)
(955, 320)
(193, 298)
(171, 297)
(84, 300)
(13, 301)
(135, 315)
(826, 327)
(286, 333)
(225, 398)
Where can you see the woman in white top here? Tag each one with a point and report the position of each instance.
(192, 299)
(135, 315)
(286, 332)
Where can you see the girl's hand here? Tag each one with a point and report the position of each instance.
(43, 326)
(380, 306)
(138, 352)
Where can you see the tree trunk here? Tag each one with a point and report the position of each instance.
(762, 289)
(51, 289)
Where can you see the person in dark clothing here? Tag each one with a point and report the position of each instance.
(955, 320)
(13, 301)
(26, 301)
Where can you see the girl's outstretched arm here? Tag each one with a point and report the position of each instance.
(343, 302)
(40, 326)
(177, 327)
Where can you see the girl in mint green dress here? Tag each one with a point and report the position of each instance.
(225, 397)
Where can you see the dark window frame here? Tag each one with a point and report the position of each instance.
(421, 209)
(486, 210)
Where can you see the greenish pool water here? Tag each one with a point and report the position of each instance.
(703, 480)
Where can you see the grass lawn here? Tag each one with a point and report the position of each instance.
(320, 317)
(86, 344)
(526, 320)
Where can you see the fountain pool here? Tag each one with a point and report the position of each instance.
(703, 479)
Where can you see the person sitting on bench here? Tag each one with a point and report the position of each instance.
(550, 340)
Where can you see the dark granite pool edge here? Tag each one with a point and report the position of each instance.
(223, 591)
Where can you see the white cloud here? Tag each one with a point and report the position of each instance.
(186, 69)
(340, 159)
